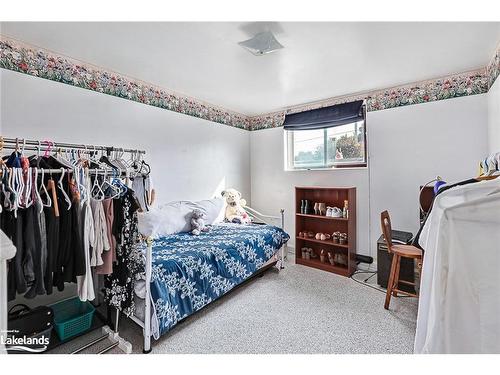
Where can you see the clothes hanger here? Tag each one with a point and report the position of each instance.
(28, 197)
(96, 191)
(19, 186)
(11, 192)
(38, 197)
(44, 189)
(47, 150)
(61, 187)
(115, 190)
(51, 186)
(27, 200)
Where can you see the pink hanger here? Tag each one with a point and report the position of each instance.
(49, 146)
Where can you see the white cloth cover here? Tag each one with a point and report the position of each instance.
(459, 305)
(7, 251)
(175, 217)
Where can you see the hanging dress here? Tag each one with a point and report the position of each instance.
(119, 286)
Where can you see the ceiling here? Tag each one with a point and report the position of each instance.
(320, 60)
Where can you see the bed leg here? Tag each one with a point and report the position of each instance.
(283, 256)
(147, 344)
(147, 305)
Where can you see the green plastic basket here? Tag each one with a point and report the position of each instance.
(72, 317)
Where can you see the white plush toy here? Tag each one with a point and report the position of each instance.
(235, 212)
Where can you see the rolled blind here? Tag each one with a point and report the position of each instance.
(328, 117)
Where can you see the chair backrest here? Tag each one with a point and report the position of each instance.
(385, 221)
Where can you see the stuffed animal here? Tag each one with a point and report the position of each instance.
(198, 223)
(235, 212)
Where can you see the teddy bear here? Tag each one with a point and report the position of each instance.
(198, 222)
(235, 212)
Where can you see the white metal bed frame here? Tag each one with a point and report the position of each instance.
(146, 325)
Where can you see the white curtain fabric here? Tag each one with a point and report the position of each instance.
(459, 306)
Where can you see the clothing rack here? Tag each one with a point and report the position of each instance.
(48, 146)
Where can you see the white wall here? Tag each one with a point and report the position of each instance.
(407, 146)
(494, 117)
(190, 158)
(273, 188)
(411, 145)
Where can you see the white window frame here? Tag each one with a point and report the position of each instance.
(289, 155)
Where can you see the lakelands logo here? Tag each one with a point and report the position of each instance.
(25, 344)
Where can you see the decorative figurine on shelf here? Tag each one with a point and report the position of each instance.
(345, 211)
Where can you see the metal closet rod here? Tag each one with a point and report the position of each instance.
(55, 145)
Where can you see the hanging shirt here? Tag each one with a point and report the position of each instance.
(108, 257)
(101, 241)
(119, 287)
(85, 284)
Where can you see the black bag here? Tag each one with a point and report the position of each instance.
(25, 322)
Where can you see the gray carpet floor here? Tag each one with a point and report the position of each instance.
(297, 310)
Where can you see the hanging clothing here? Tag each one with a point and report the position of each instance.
(144, 191)
(108, 257)
(85, 283)
(119, 287)
(21, 286)
(101, 241)
(79, 265)
(52, 227)
(29, 245)
(459, 302)
(39, 253)
(416, 239)
(64, 261)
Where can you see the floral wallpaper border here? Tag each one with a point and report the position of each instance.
(23, 58)
(463, 84)
(26, 59)
(493, 68)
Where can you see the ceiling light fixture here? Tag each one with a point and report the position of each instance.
(261, 44)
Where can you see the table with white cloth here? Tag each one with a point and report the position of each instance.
(459, 306)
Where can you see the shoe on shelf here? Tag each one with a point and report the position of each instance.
(324, 237)
(330, 259)
(336, 212)
(322, 209)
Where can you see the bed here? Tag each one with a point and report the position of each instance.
(187, 272)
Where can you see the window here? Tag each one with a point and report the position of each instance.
(335, 147)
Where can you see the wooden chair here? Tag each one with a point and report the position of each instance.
(398, 252)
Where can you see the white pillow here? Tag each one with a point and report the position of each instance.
(213, 209)
(175, 217)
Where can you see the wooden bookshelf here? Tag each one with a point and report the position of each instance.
(310, 222)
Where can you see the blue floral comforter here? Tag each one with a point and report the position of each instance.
(188, 272)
